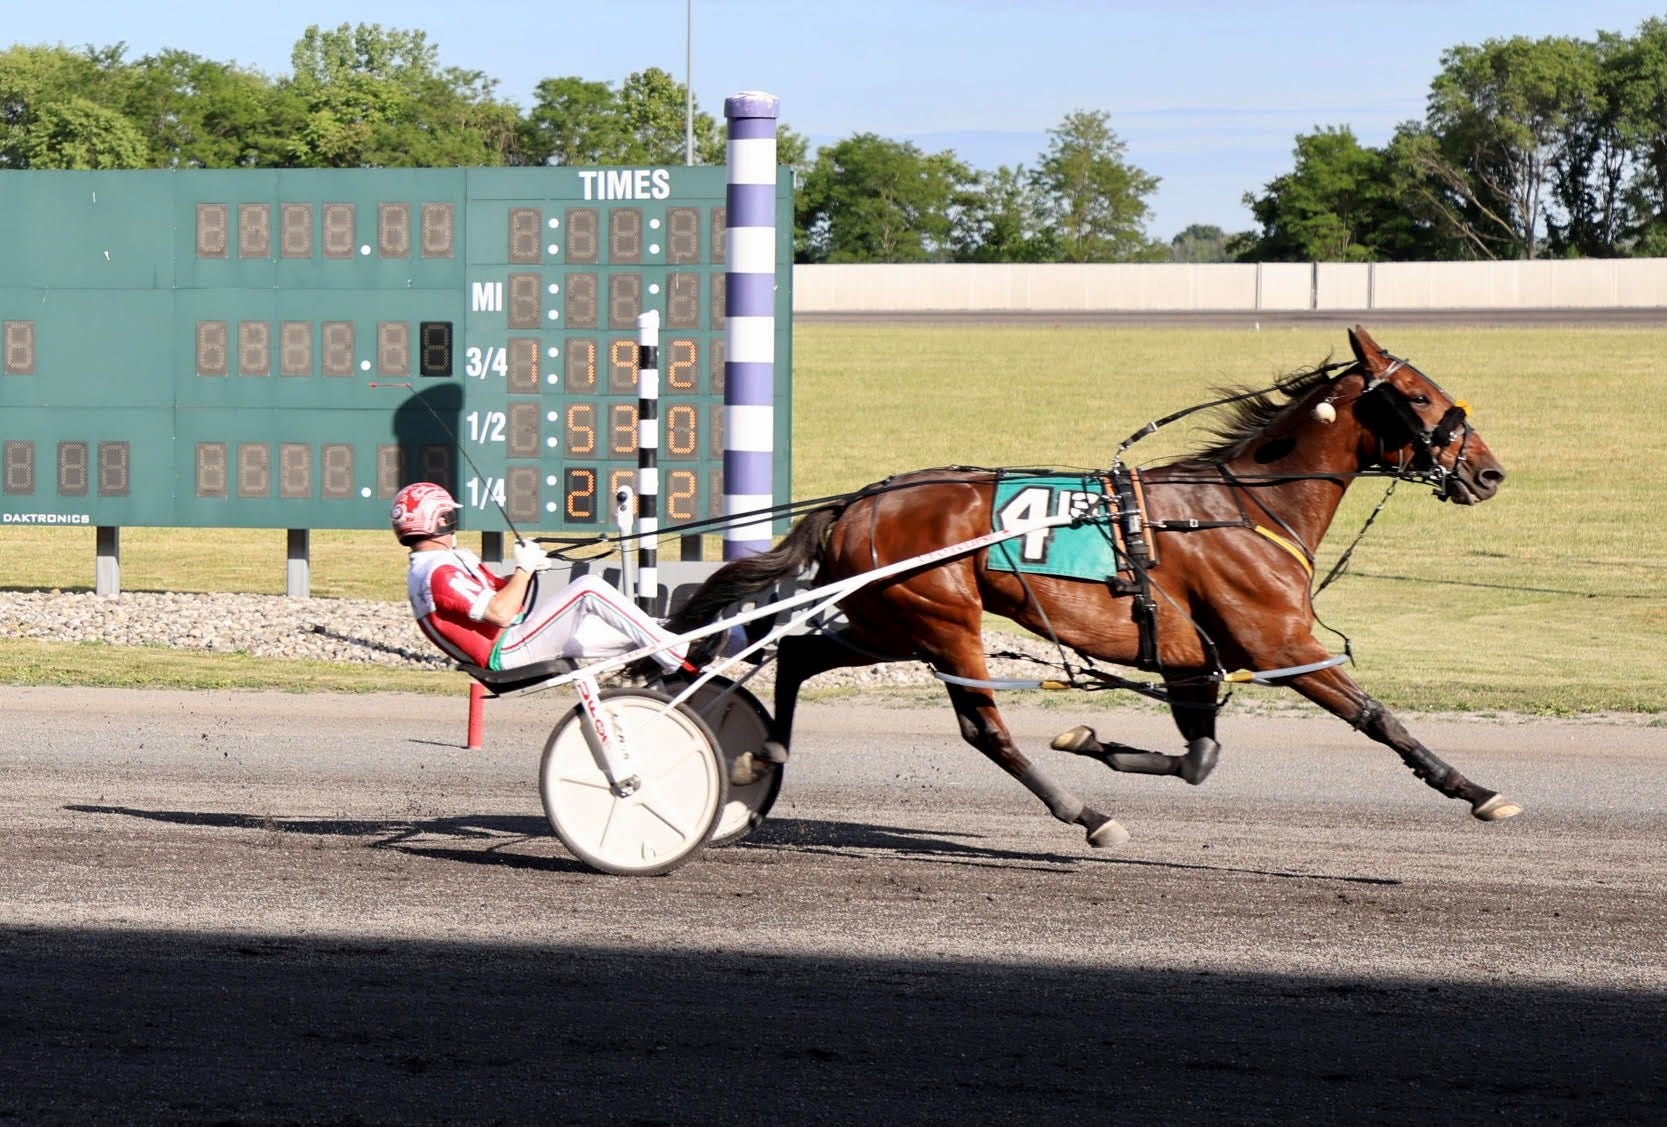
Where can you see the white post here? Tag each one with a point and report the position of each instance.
(625, 520)
(648, 459)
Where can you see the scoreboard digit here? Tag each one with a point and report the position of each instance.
(287, 348)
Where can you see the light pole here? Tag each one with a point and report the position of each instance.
(689, 83)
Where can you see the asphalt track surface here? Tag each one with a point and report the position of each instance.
(260, 908)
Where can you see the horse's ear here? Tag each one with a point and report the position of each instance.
(1366, 349)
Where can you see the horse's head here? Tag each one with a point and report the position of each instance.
(1413, 428)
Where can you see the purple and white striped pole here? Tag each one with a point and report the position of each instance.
(750, 322)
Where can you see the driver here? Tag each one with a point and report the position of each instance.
(488, 620)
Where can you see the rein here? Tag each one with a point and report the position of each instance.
(1238, 397)
(567, 544)
(1425, 467)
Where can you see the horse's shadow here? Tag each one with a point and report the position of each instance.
(493, 836)
(814, 835)
(810, 835)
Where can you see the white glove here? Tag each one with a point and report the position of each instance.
(530, 556)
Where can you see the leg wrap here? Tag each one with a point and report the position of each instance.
(1376, 722)
(1367, 714)
(1199, 760)
(1061, 803)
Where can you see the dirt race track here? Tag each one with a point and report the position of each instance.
(253, 908)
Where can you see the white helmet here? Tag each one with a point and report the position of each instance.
(421, 511)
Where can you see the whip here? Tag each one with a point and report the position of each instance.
(452, 435)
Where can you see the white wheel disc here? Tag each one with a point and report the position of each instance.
(662, 823)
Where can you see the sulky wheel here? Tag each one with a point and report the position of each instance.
(667, 819)
(741, 725)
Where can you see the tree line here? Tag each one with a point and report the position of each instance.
(1529, 148)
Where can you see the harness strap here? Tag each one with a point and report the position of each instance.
(1130, 522)
(1129, 527)
(1290, 546)
(1238, 676)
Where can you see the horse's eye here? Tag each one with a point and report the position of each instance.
(1420, 401)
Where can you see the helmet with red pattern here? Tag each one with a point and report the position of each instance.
(422, 511)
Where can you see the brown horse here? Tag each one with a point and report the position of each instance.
(1219, 575)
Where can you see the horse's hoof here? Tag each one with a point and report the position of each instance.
(1080, 740)
(773, 752)
(745, 769)
(1496, 809)
(1107, 835)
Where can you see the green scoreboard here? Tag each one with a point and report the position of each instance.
(287, 348)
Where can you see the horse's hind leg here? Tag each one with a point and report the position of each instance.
(799, 657)
(983, 728)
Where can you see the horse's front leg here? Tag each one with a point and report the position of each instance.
(983, 727)
(1194, 706)
(1336, 692)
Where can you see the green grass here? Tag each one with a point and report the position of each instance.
(345, 565)
(1552, 598)
(30, 662)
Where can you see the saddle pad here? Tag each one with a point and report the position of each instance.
(1084, 551)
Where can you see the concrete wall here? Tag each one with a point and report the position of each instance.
(1227, 287)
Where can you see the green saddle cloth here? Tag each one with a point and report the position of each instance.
(1084, 551)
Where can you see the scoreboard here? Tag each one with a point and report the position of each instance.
(287, 348)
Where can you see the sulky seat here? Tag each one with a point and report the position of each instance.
(503, 682)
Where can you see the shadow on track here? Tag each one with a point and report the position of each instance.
(267, 1028)
(495, 835)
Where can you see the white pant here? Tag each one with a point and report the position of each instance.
(586, 618)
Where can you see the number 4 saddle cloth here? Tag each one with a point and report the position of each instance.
(1093, 549)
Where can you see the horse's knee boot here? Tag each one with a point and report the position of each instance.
(1199, 760)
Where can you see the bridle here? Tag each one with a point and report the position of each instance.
(1386, 405)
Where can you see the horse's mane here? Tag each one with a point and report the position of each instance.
(1235, 425)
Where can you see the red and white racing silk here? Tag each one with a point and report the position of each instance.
(450, 591)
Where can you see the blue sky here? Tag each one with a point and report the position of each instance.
(1207, 96)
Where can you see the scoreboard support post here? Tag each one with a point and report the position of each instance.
(298, 563)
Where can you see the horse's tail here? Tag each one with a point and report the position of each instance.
(741, 579)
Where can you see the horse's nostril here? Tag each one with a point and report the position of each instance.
(1491, 477)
